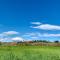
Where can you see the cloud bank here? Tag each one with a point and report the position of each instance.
(8, 36)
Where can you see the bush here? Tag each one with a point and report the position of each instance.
(56, 41)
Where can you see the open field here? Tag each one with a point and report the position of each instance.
(29, 53)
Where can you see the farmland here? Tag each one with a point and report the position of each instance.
(29, 53)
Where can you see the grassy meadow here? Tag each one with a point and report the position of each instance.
(29, 53)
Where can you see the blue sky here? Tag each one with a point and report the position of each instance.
(22, 15)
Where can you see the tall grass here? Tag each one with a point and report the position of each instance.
(29, 53)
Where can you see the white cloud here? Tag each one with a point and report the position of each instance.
(34, 37)
(48, 35)
(36, 34)
(5, 39)
(37, 23)
(10, 32)
(6, 36)
(51, 35)
(11, 39)
(31, 34)
(47, 27)
(17, 39)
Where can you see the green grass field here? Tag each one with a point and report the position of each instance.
(29, 53)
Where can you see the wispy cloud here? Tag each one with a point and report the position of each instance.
(46, 27)
(50, 35)
(37, 23)
(10, 32)
(41, 35)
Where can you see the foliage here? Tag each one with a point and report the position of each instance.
(41, 41)
(56, 41)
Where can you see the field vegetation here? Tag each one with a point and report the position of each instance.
(36, 50)
(29, 53)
